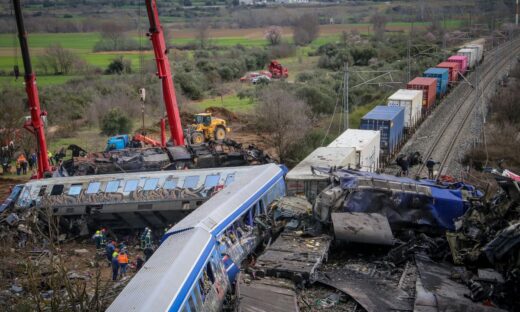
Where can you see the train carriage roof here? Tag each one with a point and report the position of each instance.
(167, 274)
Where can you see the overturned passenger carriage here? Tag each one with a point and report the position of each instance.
(125, 201)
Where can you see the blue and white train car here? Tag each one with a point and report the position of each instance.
(199, 257)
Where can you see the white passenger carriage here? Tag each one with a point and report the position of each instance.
(129, 200)
(188, 271)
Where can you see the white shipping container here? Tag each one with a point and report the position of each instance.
(302, 180)
(367, 144)
(411, 100)
(470, 54)
(479, 48)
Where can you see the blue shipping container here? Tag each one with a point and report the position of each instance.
(442, 76)
(389, 120)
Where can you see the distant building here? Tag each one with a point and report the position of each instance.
(290, 1)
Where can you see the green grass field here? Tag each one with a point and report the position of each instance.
(230, 102)
(42, 81)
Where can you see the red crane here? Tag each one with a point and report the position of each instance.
(164, 73)
(35, 125)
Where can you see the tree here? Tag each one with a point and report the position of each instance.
(273, 35)
(305, 29)
(379, 24)
(57, 60)
(115, 122)
(202, 32)
(119, 66)
(113, 33)
(283, 117)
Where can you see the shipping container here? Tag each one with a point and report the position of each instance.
(453, 70)
(429, 89)
(366, 143)
(411, 100)
(441, 74)
(479, 48)
(389, 120)
(303, 180)
(462, 61)
(470, 54)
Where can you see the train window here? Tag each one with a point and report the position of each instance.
(191, 303)
(131, 185)
(229, 179)
(170, 184)
(57, 189)
(42, 191)
(112, 186)
(211, 180)
(93, 187)
(75, 189)
(150, 184)
(191, 182)
(209, 269)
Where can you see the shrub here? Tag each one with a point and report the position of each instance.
(119, 66)
(192, 84)
(115, 122)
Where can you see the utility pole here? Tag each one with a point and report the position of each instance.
(345, 97)
(408, 58)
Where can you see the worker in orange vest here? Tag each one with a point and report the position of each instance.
(122, 258)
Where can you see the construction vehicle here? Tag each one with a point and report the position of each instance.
(277, 70)
(206, 127)
(35, 123)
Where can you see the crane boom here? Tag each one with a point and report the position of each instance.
(35, 125)
(164, 73)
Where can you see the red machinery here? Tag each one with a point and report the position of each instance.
(35, 125)
(164, 73)
(277, 70)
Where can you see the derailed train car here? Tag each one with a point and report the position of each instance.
(199, 257)
(405, 202)
(126, 201)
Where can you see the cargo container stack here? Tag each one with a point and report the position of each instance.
(462, 61)
(411, 100)
(428, 87)
(441, 74)
(479, 52)
(367, 145)
(470, 54)
(453, 71)
(389, 120)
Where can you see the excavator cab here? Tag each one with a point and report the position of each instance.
(206, 127)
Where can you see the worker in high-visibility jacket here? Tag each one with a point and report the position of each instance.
(122, 258)
(115, 265)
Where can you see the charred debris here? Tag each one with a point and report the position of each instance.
(225, 153)
(382, 243)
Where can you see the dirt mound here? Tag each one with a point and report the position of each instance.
(223, 113)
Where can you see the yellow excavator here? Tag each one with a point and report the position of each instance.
(206, 127)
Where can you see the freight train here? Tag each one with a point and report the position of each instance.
(385, 125)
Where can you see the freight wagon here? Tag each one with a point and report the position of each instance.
(470, 54)
(441, 74)
(367, 145)
(303, 180)
(453, 70)
(411, 100)
(461, 60)
(428, 87)
(479, 52)
(389, 120)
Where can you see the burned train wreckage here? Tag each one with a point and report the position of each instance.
(225, 153)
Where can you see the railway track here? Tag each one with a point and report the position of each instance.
(440, 133)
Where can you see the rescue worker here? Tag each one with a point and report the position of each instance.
(18, 168)
(143, 237)
(138, 263)
(51, 160)
(148, 252)
(122, 259)
(97, 239)
(402, 161)
(430, 164)
(115, 266)
(103, 237)
(109, 250)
